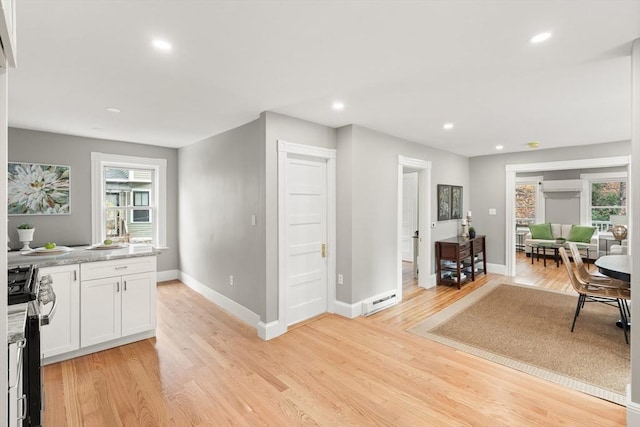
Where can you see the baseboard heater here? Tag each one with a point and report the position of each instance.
(378, 303)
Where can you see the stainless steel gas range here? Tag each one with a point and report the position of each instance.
(24, 285)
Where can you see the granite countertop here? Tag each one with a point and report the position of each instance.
(16, 322)
(81, 254)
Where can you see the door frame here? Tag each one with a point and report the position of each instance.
(329, 155)
(423, 167)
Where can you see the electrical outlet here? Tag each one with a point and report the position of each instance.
(340, 279)
(492, 211)
(230, 280)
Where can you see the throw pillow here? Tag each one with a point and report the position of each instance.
(581, 233)
(541, 231)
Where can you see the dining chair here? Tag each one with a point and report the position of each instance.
(595, 292)
(586, 276)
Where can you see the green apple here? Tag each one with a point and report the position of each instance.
(108, 242)
(49, 245)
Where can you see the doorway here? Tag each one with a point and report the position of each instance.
(513, 169)
(422, 242)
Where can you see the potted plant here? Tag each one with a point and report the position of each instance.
(25, 235)
(472, 232)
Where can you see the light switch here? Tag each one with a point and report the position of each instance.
(492, 211)
(253, 220)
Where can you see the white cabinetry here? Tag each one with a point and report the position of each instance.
(117, 299)
(17, 399)
(62, 334)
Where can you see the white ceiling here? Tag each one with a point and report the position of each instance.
(400, 67)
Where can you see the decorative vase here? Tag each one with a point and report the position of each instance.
(619, 232)
(25, 236)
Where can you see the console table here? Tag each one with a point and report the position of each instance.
(459, 259)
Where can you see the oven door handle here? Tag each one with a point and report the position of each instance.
(45, 319)
(21, 345)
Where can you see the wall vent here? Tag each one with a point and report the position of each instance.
(380, 302)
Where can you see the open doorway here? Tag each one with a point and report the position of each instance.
(410, 230)
(563, 213)
(414, 218)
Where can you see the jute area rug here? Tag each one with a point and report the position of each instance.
(529, 329)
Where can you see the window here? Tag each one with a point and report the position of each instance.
(128, 196)
(529, 206)
(606, 196)
(141, 198)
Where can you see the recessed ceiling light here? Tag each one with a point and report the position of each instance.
(447, 126)
(337, 105)
(539, 38)
(499, 147)
(96, 128)
(533, 144)
(112, 110)
(162, 45)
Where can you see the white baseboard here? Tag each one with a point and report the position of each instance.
(227, 304)
(99, 347)
(350, 311)
(633, 410)
(166, 275)
(270, 330)
(496, 268)
(431, 283)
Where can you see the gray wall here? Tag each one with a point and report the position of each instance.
(367, 168)
(488, 182)
(220, 187)
(75, 229)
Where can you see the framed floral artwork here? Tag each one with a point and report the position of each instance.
(36, 189)
(456, 202)
(444, 202)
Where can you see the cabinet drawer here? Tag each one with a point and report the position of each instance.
(465, 253)
(118, 267)
(449, 252)
(477, 246)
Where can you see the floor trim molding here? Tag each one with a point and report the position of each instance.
(166, 275)
(350, 311)
(227, 304)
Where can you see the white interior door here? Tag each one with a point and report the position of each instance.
(409, 213)
(306, 222)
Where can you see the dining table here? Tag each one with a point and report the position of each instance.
(617, 267)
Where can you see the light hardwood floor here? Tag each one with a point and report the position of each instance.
(207, 368)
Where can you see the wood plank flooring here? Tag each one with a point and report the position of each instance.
(205, 368)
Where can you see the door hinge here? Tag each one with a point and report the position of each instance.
(324, 250)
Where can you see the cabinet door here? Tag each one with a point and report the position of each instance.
(138, 303)
(100, 310)
(62, 334)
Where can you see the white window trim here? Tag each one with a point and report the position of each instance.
(101, 160)
(587, 180)
(540, 200)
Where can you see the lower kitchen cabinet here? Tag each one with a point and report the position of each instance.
(100, 305)
(17, 402)
(62, 334)
(117, 306)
